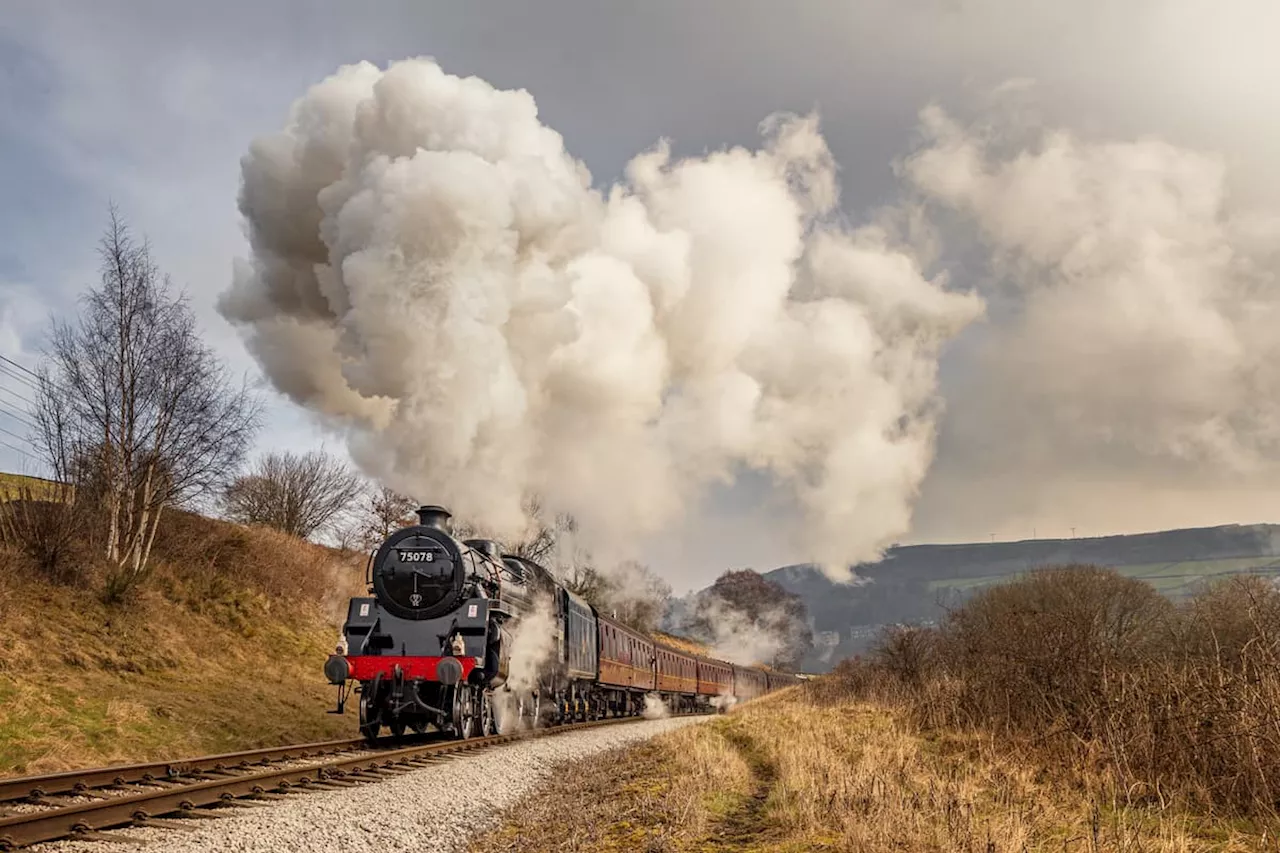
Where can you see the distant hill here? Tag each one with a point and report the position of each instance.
(914, 582)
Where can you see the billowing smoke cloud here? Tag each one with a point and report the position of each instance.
(1136, 303)
(433, 273)
(735, 636)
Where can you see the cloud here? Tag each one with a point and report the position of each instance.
(432, 270)
(1142, 301)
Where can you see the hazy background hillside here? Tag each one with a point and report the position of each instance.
(914, 583)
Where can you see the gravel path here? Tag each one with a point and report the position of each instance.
(425, 811)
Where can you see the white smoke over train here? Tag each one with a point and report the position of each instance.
(436, 276)
(736, 637)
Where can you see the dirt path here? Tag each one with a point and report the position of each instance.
(747, 826)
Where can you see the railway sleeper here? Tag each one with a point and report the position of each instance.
(88, 834)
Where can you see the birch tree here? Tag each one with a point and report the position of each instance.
(134, 410)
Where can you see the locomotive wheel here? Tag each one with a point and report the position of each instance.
(530, 709)
(464, 712)
(488, 723)
(370, 723)
(523, 706)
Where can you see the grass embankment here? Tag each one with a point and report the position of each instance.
(815, 770)
(221, 650)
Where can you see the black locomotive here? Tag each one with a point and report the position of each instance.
(433, 645)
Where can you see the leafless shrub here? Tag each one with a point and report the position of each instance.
(1050, 647)
(908, 653)
(381, 512)
(297, 494)
(46, 528)
(133, 409)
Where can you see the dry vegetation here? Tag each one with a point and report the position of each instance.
(1075, 710)
(683, 644)
(1098, 674)
(221, 650)
(819, 770)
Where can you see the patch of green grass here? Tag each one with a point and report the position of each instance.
(1176, 580)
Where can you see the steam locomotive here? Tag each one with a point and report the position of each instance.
(433, 646)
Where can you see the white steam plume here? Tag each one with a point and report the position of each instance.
(724, 702)
(532, 645)
(654, 707)
(433, 273)
(737, 638)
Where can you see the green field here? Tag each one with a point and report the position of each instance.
(1176, 580)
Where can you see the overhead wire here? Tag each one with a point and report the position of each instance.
(5, 370)
(18, 450)
(21, 367)
(28, 378)
(24, 438)
(27, 400)
(20, 417)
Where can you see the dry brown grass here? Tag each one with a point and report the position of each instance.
(1100, 677)
(817, 772)
(682, 644)
(222, 650)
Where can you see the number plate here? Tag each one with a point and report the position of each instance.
(415, 555)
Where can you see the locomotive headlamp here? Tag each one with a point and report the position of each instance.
(449, 671)
(336, 669)
(458, 646)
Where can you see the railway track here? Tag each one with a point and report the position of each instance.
(153, 794)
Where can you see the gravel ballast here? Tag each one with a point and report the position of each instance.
(433, 809)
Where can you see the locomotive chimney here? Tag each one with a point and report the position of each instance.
(435, 516)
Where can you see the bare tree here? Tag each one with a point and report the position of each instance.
(381, 512)
(636, 595)
(388, 510)
(297, 494)
(134, 409)
(546, 535)
(586, 582)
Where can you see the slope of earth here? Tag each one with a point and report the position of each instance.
(798, 771)
(914, 583)
(221, 650)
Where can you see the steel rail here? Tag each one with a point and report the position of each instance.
(83, 781)
(86, 820)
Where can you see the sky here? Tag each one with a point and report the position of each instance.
(1099, 173)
